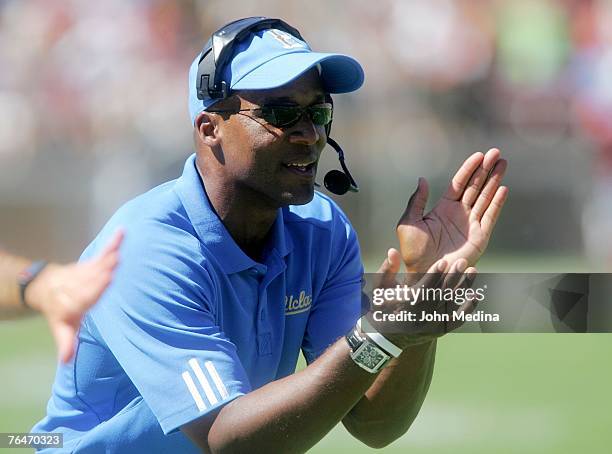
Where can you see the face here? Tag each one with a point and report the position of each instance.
(264, 162)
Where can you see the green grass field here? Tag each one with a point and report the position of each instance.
(502, 393)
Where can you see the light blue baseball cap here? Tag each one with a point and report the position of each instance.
(272, 58)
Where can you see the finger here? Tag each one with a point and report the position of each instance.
(489, 190)
(493, 211)
(114, 243)
(434, 275)
(97, 287)
(462, 177)
(65, 337)
(456, 322)
(490, 158)
(479, 177)
(470, 303)
(104, 263)
(389, 268)
(417, 202)
(467, 306)
(109, 257)
(467, 278)
(455, 274)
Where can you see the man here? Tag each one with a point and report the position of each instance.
(61, 293)
(195, 344)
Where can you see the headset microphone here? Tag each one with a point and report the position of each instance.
(336, 181)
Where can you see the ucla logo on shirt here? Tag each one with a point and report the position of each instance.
(299, 304)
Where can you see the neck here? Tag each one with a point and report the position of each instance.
(245, 215)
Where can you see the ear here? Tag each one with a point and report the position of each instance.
(207, 128)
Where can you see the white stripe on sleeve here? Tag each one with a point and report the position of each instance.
(203, 381)
(212, 370)
(194, 391)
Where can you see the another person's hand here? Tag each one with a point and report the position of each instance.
(63, 293)
(461, 223)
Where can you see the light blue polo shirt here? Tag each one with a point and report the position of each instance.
(190, 322)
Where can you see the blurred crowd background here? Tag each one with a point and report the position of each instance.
(93, 110)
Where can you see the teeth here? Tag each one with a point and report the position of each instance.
(299, 165)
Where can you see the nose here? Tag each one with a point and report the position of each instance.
(305, 132)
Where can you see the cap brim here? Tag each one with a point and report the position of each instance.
(339, 73)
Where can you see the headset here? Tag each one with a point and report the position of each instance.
(210, 84)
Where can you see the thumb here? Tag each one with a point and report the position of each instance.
(417, 203)
(389, 268)
(64, 339)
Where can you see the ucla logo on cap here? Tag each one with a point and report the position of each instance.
(287, 40)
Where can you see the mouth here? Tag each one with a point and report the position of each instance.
(305, 169)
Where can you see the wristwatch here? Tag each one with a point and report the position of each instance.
(365, 353)
(27, 276)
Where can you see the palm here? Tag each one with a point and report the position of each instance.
(461, 223)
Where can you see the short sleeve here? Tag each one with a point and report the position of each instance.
(158, 319)
(338, 305)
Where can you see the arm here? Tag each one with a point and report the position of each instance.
(62, 293)
(288, 415)
(10, 300)
(457, 230)
(392, 403)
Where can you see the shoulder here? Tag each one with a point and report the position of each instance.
(162, 264)
(153, 222)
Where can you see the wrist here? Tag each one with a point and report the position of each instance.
(379, 339)
(365, 353)
(407, 341)
(32, 285)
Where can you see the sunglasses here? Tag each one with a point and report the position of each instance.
(287, 116)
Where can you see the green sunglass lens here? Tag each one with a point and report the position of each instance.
(321, 115)
(287, 116)
(281, 116)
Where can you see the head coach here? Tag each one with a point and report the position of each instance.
(231, 270)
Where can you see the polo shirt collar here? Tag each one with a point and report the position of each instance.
(211, 231)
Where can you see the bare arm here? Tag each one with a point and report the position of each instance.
(391, 404)
(10, 301)
(289, 415)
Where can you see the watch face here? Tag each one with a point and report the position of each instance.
(370, 357)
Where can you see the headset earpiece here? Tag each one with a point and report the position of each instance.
(220, 47)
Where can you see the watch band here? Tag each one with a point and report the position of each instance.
(354, 339)
(364, 325)
(26, 277)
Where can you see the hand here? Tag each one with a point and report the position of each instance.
(461, 223)
(63, 293)
(439, 275)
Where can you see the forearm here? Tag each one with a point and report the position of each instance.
(294, 413)
(391, 404)
(10, 299)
